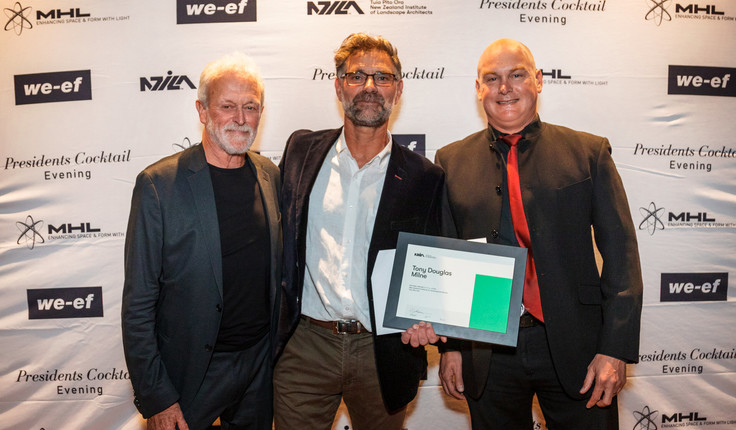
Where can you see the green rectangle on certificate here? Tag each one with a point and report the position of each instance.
(491, 301)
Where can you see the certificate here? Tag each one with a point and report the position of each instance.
(467, 290)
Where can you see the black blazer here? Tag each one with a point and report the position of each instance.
(569, 183)
(410, 201)
(172, 295)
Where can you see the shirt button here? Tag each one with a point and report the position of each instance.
(219, 308)
(499, 190)
(494, 234)
(208, 347)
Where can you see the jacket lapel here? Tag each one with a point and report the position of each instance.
(200, 183)
(313, 160)
(269, 197)
(392, 194)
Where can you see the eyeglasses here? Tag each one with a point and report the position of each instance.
(379, 78)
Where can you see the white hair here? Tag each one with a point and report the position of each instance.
(235, 62)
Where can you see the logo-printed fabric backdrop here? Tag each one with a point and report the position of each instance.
(92, 92)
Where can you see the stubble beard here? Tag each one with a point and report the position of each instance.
(371, 117)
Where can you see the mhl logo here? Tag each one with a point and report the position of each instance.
(189, 12)
(695, 9)
(689, 217)
(702, 81)
(70, 228)
(555, 74)
(168, 82)
(681, 418)
(53, 87)
(414, 142)
(59, 14)
(332, 7)
(693, 287)
(50, 303)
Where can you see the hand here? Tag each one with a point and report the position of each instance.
(451, 374)
(421, 334)
(609, 375)
(168, 419)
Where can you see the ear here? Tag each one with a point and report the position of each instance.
(538, 77)
(399, 90)
(338, 89)
(202, 112)
(478, 89)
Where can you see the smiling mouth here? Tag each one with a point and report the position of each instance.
(506, 102)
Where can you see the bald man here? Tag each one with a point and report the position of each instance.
(543, 190)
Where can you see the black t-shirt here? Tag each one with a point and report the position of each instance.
(246, 258)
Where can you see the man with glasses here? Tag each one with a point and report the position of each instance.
(347, 193)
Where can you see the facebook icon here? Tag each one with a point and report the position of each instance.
(415, 142)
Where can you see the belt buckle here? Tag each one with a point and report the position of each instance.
(346, 327)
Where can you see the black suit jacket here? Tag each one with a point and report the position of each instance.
(569, 183)
(172, 295)
(410, 201)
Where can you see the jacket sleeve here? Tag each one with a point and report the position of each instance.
(153, 389)
(621, 280)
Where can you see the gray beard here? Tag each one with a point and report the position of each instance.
(219, 138)
(360, 117)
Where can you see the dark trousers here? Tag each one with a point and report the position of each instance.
(237, 388)
(515, 375)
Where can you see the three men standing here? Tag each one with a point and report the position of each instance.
(203, 315)
(347, 193)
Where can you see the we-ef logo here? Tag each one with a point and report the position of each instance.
(701, 81)
(414, 142)
(693, 287)
(168, 82)
(53, 87)
(51, 303)
(333, 8)
(193, 12)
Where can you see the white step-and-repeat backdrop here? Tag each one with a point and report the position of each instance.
(92, 92)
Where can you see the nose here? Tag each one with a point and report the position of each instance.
(369, 87)
(239, 117)
(503, 88)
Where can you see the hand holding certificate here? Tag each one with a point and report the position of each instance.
(465, 289)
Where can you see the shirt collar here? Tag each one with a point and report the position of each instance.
(531, 129)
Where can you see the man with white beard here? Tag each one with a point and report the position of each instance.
(202, 267)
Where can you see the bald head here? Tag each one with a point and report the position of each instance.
(508, 85)
(501, 46)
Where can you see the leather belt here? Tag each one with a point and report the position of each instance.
(527, 320)
(339, 326)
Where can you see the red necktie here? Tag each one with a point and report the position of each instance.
(532, 303)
